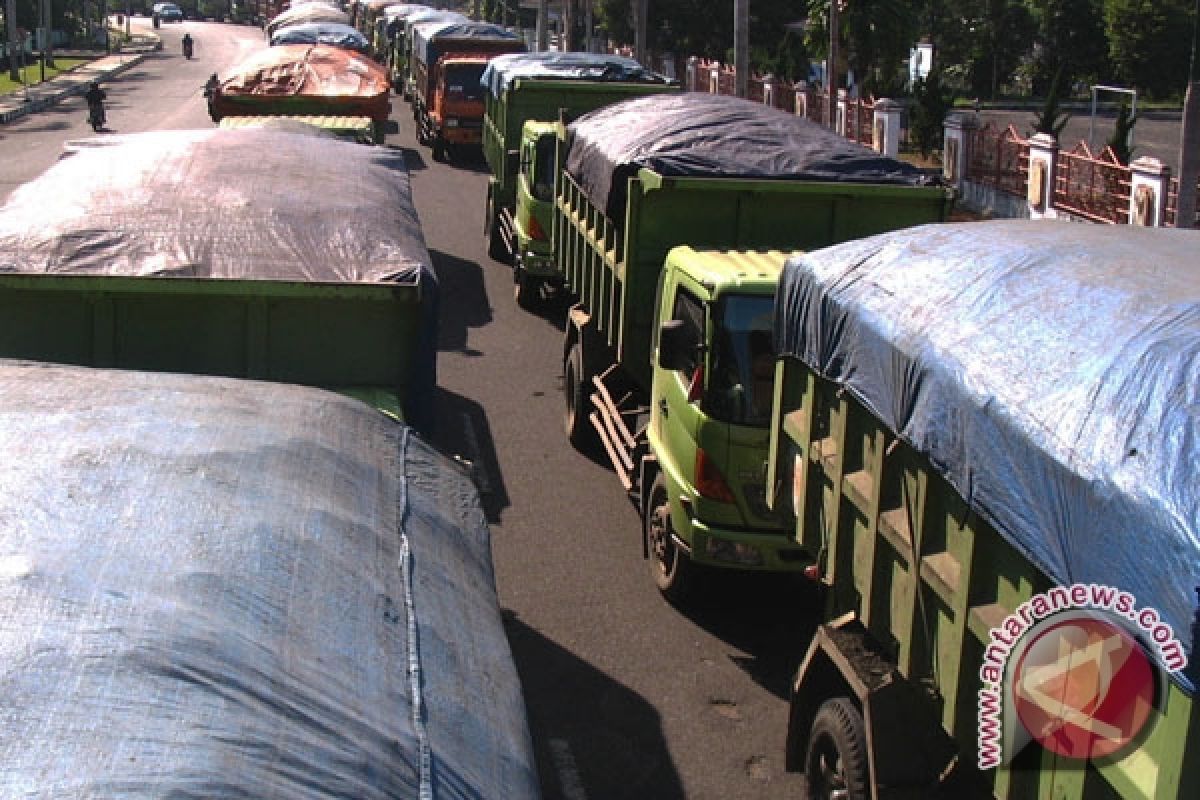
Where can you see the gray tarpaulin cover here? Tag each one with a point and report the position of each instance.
(331, 33)
(428, 36)
(1050, 371)
(717, 136)
(248, 204)
(307, 12)
(553, 65)
(213, 588)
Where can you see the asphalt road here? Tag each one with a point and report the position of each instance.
(627, 696)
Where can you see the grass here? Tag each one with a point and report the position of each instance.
(33, 73)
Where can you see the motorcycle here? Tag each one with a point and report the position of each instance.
(96, 117)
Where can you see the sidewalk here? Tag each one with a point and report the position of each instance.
(68, 84)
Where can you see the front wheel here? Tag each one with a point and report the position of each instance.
(526, 290)
(836, 764)
(673, 570)
(439, 148)
(579, 428)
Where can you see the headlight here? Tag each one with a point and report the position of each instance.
(451, 122)
(733, 552)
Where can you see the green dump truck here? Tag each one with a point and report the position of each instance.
(688, 438)
(530, 87)
(205, 252)
(984, 439)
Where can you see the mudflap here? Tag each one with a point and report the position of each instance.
(909, 754)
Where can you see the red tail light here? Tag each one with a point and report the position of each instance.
(710, 482)
(535, 230)
(696, 386)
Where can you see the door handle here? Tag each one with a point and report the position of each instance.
(662, 407)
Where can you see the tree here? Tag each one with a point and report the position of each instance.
(1070, 43)
(1122, 129)
(878, 37)
(1145, 44)
(931, 103)
(1052, 119)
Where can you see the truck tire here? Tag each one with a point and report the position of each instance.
(575, 386)
(439, 148)
(497, 248)
(526, 289)
(673, 570)
(836, 762)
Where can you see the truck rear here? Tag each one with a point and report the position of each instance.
(533, 87)
(448, 60)
(203, 252)
(646, 175)
(984, 437)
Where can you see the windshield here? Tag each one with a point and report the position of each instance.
(462, 81)
(743, 369)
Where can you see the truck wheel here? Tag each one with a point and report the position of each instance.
(525, 290)
(674, 572)
(836, 764)
(439, 148)
(497, 248)
(575, 380)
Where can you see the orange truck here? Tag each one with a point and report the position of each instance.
(448, 60)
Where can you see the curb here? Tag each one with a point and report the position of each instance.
(40, 99)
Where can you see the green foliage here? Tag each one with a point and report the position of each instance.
(1052, 119)
(1147, 46)
(1122, 129)
(1071, 43)
(931, 103)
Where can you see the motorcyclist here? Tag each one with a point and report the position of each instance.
(211, 85)
(95, 97)
(187, 45)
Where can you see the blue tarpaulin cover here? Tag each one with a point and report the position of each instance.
(553, 65)
(1049, 371)
(331, 33)
(250, 204)
(216, 588)
(696, 134)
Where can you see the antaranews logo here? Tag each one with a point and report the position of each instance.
(1076, 669)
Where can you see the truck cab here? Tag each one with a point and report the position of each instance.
(709, 415)
(533, 254)
(455, 108)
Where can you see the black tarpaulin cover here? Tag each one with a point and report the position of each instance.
(215, 588)
(1050, 371)
(695, 134)
(249, 204)
(553, 65)
(330, 33)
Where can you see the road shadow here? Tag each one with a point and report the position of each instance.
(463, 301)
(593, 737)
(770, 617)
(461, 428)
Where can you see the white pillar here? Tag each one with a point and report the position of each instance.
(957, 132)
(801, 90)
(1148, 191)
(886, 130)
(769, 90)
(843, 103)
(1043, 153)
(693, 70)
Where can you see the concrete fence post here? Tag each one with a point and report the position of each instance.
(1148, 192)
(843, 104)
(714, 79)
(1043, 157)
(886, 127)
(693, 68)
(769, 90)
(801, 90)
(957, 133)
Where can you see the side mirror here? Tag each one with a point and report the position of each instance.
(675, 346)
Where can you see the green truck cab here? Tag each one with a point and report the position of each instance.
(688, 441)
(223, 267)
(999, 508)
(525, 90)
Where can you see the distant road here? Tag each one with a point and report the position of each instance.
(1155, 135)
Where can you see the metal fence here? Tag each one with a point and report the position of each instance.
(999, 159)
(1093, 187)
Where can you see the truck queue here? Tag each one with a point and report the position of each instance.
(792, 361)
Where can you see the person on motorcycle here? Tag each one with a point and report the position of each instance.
(187, 45)
(95, 100)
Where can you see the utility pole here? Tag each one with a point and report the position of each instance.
(1189, 139)
(10, 22)
(831, 73)
(741, 47)
(543, 37)
(48, 37)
